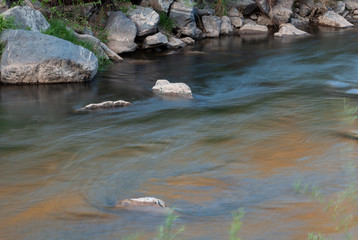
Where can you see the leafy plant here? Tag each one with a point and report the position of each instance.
(166, 22)
(316, 236)
(236, 224)
(165, 231)
(8, 23)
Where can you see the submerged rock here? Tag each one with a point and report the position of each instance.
(353, 91)
(32, 57)
(27, 18)
(165, 88)
(105, 105)
(288, 30)
(144, 203)
(333, 19)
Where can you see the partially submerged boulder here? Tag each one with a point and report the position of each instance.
(175, 43)
(105, 105)
(32, 57)
(27, 18)
(121, 33)
(143, 203)
(165, 88)
(145, 19)
(333, 19)
(288, 30)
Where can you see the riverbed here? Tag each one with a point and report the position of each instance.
(265, 132)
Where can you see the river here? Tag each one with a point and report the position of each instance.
(264, 133)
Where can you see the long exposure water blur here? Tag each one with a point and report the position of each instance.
(265, 132)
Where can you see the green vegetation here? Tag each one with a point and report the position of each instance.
(236, 224)
(165, 22)
(316, 236)
(6, 24)
(165, 232)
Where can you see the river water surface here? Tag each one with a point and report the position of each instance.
(263, 129)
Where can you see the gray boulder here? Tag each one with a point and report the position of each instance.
(121, 33)
(32, 57)
(212, 25)
(237, 22)
(282, 11)
(206, 12)
(340, 7)
(333, 19)
(175, 43)
(183, 13)
(155, 40)
(246, 6)
(27, 18)
(145, 19)
(105, 105)
(165, 88)
(288, 30)
(253, 28)
(96, 43)
(263, 6)
(300, 21)
(161, 5)
(351, 4)
(226, 27)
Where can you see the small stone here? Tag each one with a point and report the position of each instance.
(188, 40)
(233, 12)
(165, 88)
(237, 22)
(226, 27)
(155, 40)
(175, 43)
(143, 203)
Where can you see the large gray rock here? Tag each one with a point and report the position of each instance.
(27, 18)
(226, 27)
(246, 6)
(161, 5)
(183, 13)
(288, 30)
(282, 11)
(237, 22)
(121, 33)
(351, 4)
(165, 88)
(253, 28)
(333, 19)
(263, 6)
(212, 25)
(155, 40)
(145, 19)
(32, 57)
(340, 7)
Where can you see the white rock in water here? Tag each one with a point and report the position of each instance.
(105, 105)
(338, 84)
(164, 87)
(288, 30)
(144, 202)
(333, 19)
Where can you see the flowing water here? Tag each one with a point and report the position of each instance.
(263, 126)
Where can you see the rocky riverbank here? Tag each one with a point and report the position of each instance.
(31, 57)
